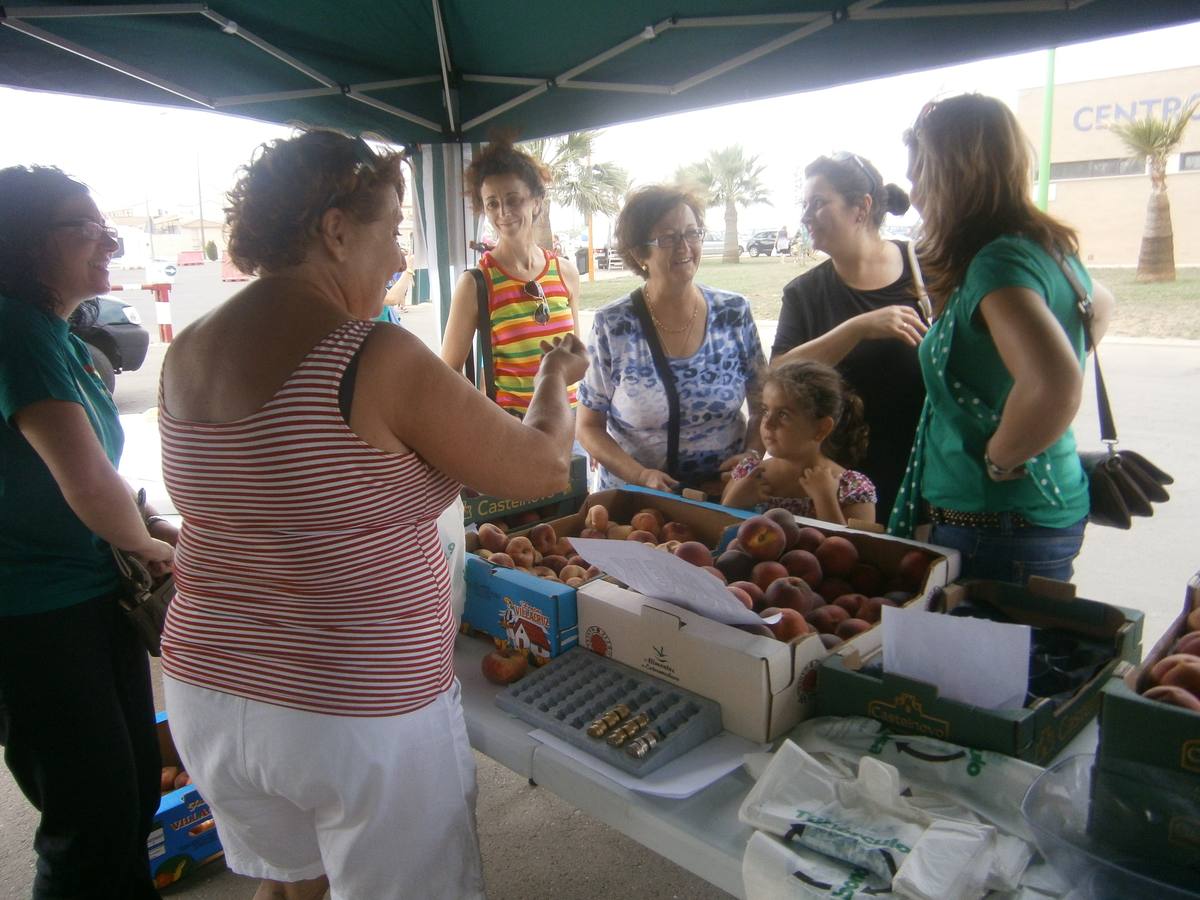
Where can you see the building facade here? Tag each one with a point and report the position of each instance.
(1094, 184)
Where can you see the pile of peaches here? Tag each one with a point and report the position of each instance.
(1175, 678)
(813, 582)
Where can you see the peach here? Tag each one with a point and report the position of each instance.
(524, 519)
(483, 554)
(1158, 672)
(752, 590)
(167, 778)
(741, 596)
(644, 521)
(790, 626)
(913, 567)
(866, 579)
(570, 571)
(502, 559)
(543, 538)
(658, 514)
(850, 603)
(526, 569)
(1186, 675)
(804, 565)
(850, 627)
(554, 562)
(574, 582)
(767, 571)
(677, 531)
(790, 592)
(668, 546)
(597, 517)
(837, 556)
(695, 553)
(471, 541)
(786, 521)
(492, 538)
(735, 564)
(592, 572)
(1189, 643)
(563, 548)
(734, 545)
(715, 573)
(830, 641)
(899, 597)
(758, 630)
(810, 539)
(545, 572)
(576, 560)
(832, 588)
(1176, 696)
(593, 534)
(872, 609)
(826, 619)
(504, 665)
(521, 551)
(646, 537)
(619, 532)
(762, 538)
(183, 779)
(1193, 620)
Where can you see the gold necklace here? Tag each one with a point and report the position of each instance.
(663, 328)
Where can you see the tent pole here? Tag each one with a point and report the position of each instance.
(1043, 195)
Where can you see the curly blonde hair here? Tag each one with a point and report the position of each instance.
(276, 204)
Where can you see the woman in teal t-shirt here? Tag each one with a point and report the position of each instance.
(994, 465)
(76, 709)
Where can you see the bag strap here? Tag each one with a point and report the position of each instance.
(918, 281)
(1083, 302)
(665, 375)
(483, 331)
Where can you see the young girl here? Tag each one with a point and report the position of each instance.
(810, 423)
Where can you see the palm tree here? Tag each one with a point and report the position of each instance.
(1155, 140)
(730, 179)
(578, 183)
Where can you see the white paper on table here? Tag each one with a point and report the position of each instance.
(680, 778)
(975, 661)
(665, 576)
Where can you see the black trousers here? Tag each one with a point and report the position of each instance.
(77, 722)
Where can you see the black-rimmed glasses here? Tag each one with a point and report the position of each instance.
(862, 165)
(541, 314)
(89, 229)
(670, 240)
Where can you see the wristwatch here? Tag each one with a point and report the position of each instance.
(999, 473)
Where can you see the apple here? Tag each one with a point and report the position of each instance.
(762, 538)
(804, 565)
(505, 665)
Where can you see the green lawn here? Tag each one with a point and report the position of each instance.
(1143, 310)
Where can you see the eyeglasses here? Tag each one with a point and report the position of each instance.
(541, 314)
(89, 229)
(365, 158)
(862, 165)
(670, 240)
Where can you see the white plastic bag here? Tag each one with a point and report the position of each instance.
(452, 533)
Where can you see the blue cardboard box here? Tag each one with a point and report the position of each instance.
(184, 835)
(539, 615)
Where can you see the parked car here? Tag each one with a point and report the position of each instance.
(762, 242)
(113, 332)
(714, 244)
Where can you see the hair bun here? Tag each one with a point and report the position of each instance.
(897, 199)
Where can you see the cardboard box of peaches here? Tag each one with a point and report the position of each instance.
(521, 584)
(183, 835)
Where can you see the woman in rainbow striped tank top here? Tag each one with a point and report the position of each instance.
(531, 292)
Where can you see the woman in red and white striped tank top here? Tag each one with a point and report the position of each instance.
(308, 654)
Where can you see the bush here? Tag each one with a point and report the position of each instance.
(210, 251)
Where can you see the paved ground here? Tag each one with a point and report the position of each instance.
(535, 846)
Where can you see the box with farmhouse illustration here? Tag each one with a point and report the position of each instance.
(184, 835)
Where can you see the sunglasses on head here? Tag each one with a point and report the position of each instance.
(541, 314)
(862, 165)
(364, 159)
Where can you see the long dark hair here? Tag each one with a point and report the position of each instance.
(29, 197)
(971, 168)
(817, 390)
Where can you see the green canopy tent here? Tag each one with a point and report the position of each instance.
(439, 74)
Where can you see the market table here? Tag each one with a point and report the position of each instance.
(701, 833)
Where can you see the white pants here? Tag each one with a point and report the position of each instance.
(384, 806)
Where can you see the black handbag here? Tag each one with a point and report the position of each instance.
(144, 600)
(1122, 484)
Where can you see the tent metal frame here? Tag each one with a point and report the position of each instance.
(810, 23)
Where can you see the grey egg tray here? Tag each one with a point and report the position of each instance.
(564, 696)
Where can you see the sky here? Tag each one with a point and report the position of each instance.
(138, 156)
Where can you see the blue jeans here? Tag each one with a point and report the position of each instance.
(1005, 553)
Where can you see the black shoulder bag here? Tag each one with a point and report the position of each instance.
(663, 366)
(486, 381)
(1122, 483)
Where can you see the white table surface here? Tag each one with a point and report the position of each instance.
(701, 833)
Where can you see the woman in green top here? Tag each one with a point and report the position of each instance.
(76, 709)
(994, 465)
